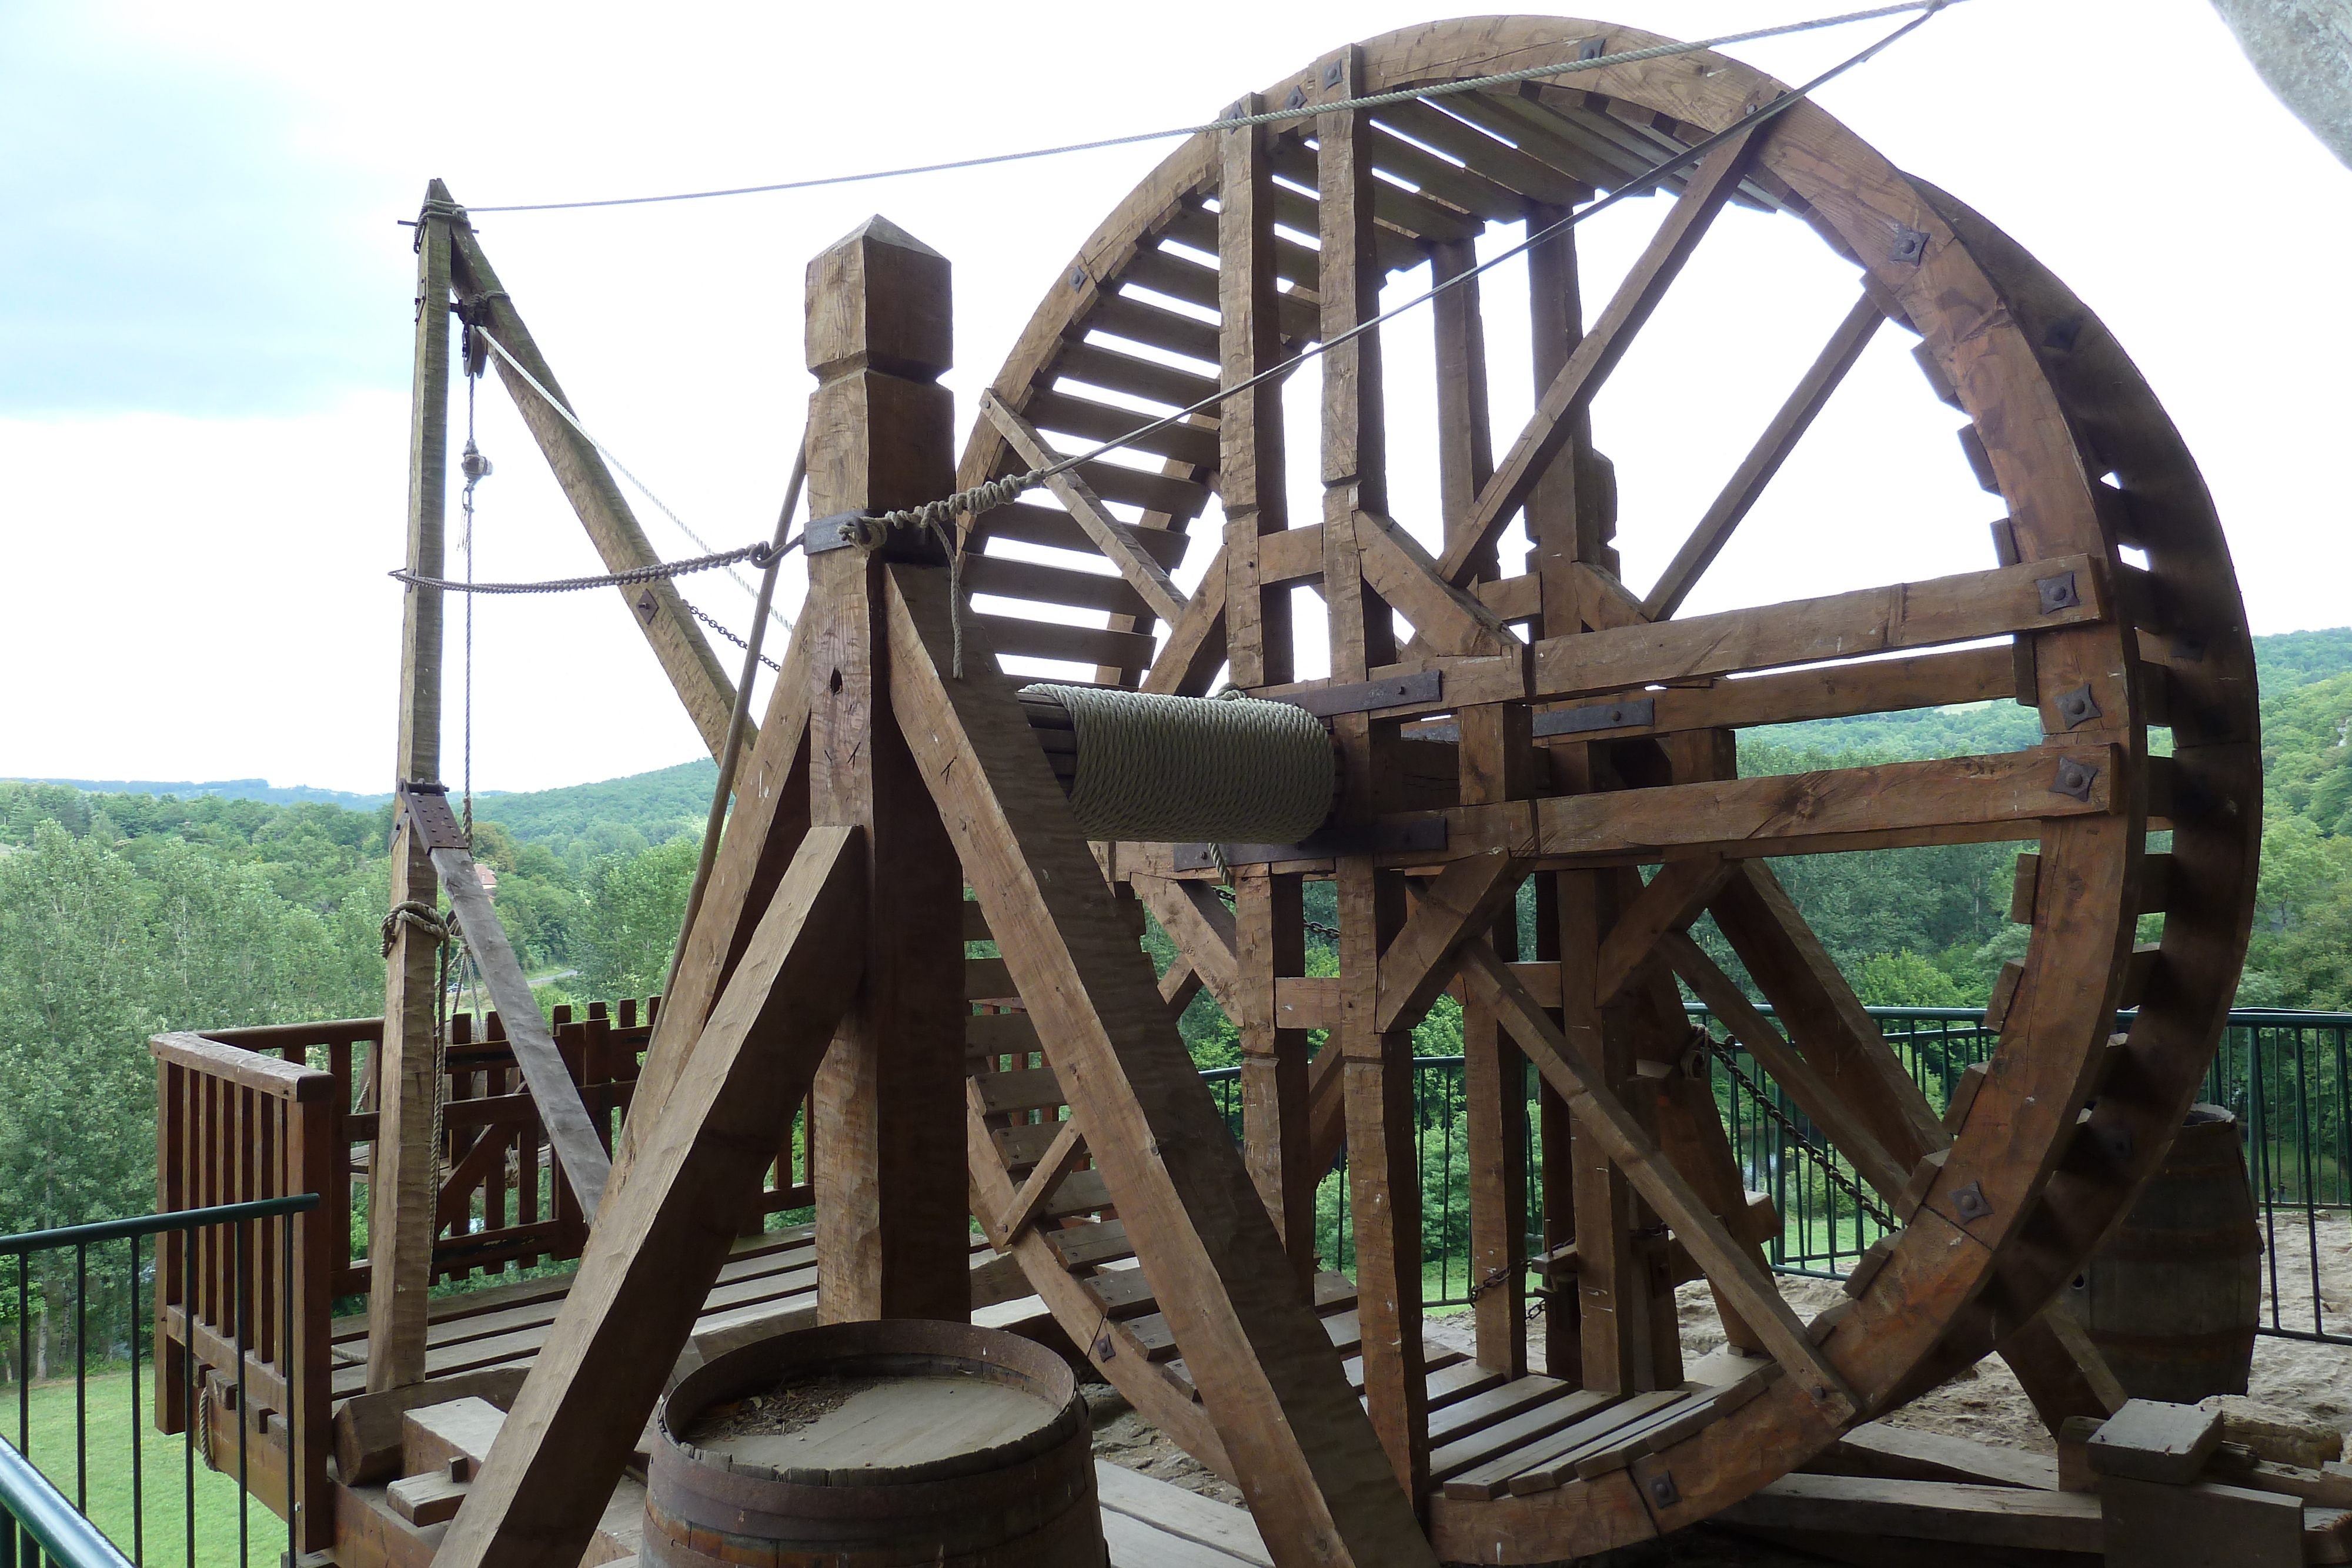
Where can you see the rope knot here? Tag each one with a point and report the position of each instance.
(418, 916)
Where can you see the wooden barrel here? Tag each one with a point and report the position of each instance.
(876, 1445)
(2173, 1297)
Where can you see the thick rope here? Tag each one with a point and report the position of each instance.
(757, 555)
(1163, 769)
(1271, 117)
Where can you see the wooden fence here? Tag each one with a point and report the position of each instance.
(282, 1109)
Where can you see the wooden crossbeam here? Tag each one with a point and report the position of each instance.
(1823, 1104)
(1202, 927)
(571, 1130)
(1061, 1156)
(1458, 905)
(1746, 484)
(1945, 800)
(1956, 608)
(1315, 1476)
(1112, 537)
(1674, 897)
(657, 608)
(1731, 1270)
(1572, 392)
(659, 1244)
(1449, 621)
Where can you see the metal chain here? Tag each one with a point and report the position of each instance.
(757, 554)
(696, 611)
(1325, 932)
(1825, 1158)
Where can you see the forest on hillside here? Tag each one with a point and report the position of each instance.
(126, 914)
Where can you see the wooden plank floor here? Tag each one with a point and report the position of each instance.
(768, 1284)
(1148, 1523)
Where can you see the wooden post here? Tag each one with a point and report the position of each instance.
(1383, 1170)
(891, 1169)
(402, 1177)
(1270, 941)
(1249, 424)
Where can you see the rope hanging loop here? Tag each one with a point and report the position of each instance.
(1164, 769)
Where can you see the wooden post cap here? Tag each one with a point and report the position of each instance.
(878, 300)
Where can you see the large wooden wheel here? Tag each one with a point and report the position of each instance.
(1546, 722)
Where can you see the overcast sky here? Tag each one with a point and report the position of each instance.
(204, 309)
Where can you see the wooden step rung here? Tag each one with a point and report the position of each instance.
(1493, 1477)
(1003, 577)
(1022, 1146)
(1499, 1403)
(1081, 1192)
(994, 1035)
(1023, 1089)
(1481, 150)
(1141, 321)
(1063, 414)
(986, 980)
(1560, 1410)
(1028, 523)
(1088, 1246)
(1122, 1292)
(1097, 366)
(1413, 214)
(1152, 491)
(1672, 1424)
(1444, 181)
(1196, 226)
(1156, 1339)
(1016, 638)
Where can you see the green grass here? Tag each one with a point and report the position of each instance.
(109, 1498)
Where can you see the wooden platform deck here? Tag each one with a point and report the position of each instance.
(767, 1286)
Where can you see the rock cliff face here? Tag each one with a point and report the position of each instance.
(2303, 50)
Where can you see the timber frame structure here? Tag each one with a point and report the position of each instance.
(1496, 726)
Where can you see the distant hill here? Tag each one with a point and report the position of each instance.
(2291, 659)
(659, 805)
(260, 790)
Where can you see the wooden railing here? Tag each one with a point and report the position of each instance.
(289, 1108)
(237, 1127)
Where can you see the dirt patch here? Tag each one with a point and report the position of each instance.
(1124, 1438)
(785, 1409)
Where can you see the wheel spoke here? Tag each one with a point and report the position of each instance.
(1763, 460)
(1572, 390)
(1748, 1288)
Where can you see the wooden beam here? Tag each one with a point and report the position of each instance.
(1748, 1288)
(889, 1170)
(1835, 691)
(1825, 1020)
(1465, 435)
(1269, 944)
(1195, 648)
(1763, 461)
(1950, 800)
(1112, 537)
(657, 607)
(570, 1132)
(1250, 470)
(1449, 621)
(1957, 609)
(1060, 1158)
(1675, 896)
(402, 1167)
(1299, 1445)
(659, 1243)
(1201, 926)
(1823, 1104)
(1549, 429)
(1457, 906)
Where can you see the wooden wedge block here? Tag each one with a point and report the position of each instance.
(1900, 1453)
(2149, 1441)
(433, 1434)
(2156, 1525)
(1928, 1510)
(431, 1499)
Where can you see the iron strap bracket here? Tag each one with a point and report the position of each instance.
(428, 808)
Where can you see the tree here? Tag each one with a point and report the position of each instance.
(634, 906)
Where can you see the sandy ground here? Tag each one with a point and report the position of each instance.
(1986, 1404)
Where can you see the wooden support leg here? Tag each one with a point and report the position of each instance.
(1298, 1443)
(1495, 1086)
(402, 1172)
(1612, 1289)
(1383, 1173)
(890, 1170)
(1270, 942)
(667, 1221)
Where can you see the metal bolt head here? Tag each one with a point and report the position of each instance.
(1078, 278)
(2078, 707)
(1332, 73)
(2057, 592)
(1970, 1203)
(646, 606)
(1662, 1490)
(2075, 776)
(1908, 248)
(1591, 48)
(2062, 334)
(1298, 99)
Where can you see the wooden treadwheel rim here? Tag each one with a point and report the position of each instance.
(2058, 410)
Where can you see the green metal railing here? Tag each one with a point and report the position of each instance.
(39, 1523)
(2287, 1075)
